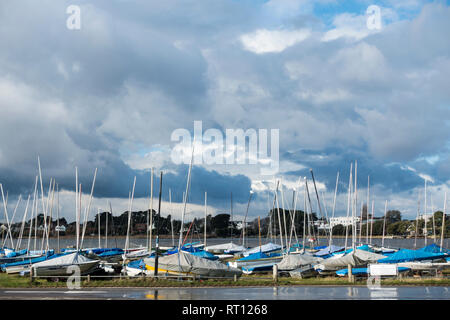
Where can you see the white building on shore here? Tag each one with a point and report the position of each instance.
(425, 217)
(345, 221)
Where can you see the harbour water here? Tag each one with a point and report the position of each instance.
(119, 242)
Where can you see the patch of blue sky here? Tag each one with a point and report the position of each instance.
(327, 11)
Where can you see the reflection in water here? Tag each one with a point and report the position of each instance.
(290, 293)
(350, 292)
(384, 293)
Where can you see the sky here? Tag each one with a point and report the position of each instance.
(109, 94)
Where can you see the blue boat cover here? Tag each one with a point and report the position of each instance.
(433, 248)
(363, 271)
(137, 264)
(365, 247)
(268, 247)
(111, 253)
(405, 255)
(205, 254)
(328, 250)
(185, 248)
(30, 261)
(259, 255)
(101, 250)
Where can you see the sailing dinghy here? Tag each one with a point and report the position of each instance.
(186, 264)
(59, 266)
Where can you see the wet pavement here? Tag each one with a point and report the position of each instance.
(252, 293)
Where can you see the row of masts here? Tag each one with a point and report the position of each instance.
(286, 237)
(352, 206)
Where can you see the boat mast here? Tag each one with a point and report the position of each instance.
(185, 202)
(284, 216)
(279, 223)
(206, 213)
(51, 213)
(98, 222)
(432, 217)
(87, 211)
(417, 220)
(305, 208)
(19, 242)
(355, 205)
(245, 218)
(171, 217)
(425, 214)
(384, 224)
(334, 208)
(150, 220)
(318, 203)
(231, 217)
(367, 209)
(310, 217)
(371, 224)
(57, 215)
(106, 228)
(348, 204)
(32, 214)
(76, 206)
(443, 220)
(130, 207)
(292, 216)
(157, 225)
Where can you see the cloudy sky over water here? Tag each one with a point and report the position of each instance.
(110, 95)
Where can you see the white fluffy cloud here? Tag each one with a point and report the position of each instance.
(267, 41)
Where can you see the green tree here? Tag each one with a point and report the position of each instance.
(393, 216)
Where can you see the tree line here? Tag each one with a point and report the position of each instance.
(221, 226)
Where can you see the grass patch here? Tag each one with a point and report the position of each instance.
(16, 281)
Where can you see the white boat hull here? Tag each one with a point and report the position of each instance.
(62, 270)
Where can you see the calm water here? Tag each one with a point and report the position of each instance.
(250, 242)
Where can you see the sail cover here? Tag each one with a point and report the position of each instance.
(226, 248)
(358, 258)
(65, 260)
(268, 247)
(295, 261)
(182, 262)
(328, 250)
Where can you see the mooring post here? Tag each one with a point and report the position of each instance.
(275, 273)
(31, 274)
(350, 274)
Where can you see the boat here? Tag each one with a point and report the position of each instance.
(328, 251)
(186, 264)
(136, 254)
(226, 248)
(265, 248)
(60, 266)
(294, 261)
(136, 268)
(356, 258)
(205, 255)
(258, 261)
(365, 271)
(306, 271)
(17, 267)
